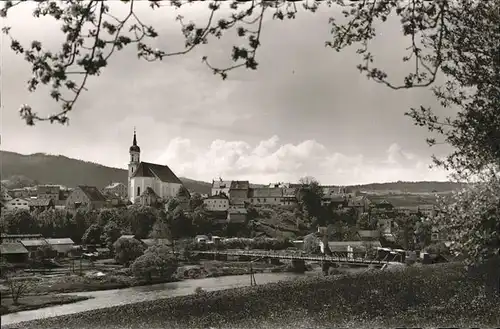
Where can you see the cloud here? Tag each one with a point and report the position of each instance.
(270, 161)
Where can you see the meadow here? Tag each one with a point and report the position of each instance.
(427, 296)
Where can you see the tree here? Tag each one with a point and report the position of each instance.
(309, 196)
(127, 250)
(111, 233)
(471, 221)
(196, 201)
(405, 232)
(19, 221)
(107, 215)
(80, 222)
(18, 286)
(423, 233)
(157, 260)
(141, 219)
(161, 229)
(92, 235)
(311, 245)
(201, 223)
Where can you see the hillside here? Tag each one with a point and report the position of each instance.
(409, 187)
(58, 169)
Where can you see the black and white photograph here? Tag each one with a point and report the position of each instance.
(249, 164)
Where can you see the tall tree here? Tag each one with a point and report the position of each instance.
(309, 195)
(141, 220)
(471, 220)
(19, 221)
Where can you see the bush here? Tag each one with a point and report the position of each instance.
(127, 250)
(156, 261)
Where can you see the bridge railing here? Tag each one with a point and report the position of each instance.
(335, 257)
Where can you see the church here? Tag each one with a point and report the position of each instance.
(149, 180)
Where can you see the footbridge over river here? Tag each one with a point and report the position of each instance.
(299, 260)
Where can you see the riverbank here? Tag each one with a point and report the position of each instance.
(440, 295)
(117, 277)
(36, 302)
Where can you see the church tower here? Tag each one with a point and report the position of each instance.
(135, 152)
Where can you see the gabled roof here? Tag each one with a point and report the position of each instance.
(60, 241)
(164, 173)
(240, 185)
(34, 243)
(40, 202)
(266, 192)
(217, 196)
(113, 185)
(12, 249)
(92, 193)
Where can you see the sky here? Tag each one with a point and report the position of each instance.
(307, 111)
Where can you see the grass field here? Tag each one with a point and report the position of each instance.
(430, 296)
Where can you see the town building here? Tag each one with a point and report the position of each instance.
(86, 196)
(218, 202)
(32, 245)
(266, 196)
(41, 204)
(237, 216)
(220, 186)
(61, 245)
(17, 203)
(14, 253)
(118, 189)
(142, 175)
(48, 192)
(238, 192)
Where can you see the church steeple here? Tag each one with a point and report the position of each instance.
(134, 147)
(135, 154)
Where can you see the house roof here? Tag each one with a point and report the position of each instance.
(240, 185)
(92, 193)
(217, 196)
(19, 236)
(41, 202)
(127, 236)
(12, 249)
(266, 192)
(164, 173)
(113, 185)
(152, 242)
(34, 243)
(60, 241)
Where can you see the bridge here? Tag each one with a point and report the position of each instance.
(298, 260)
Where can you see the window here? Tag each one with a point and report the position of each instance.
(138, 190)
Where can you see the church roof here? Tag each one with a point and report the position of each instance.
(164, 173)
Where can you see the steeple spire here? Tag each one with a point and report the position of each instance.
(134, 147)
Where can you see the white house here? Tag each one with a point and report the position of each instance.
(116, 188)
(218, 202)
(17, 203)
(142, 175)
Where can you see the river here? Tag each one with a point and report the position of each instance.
(109, 298)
